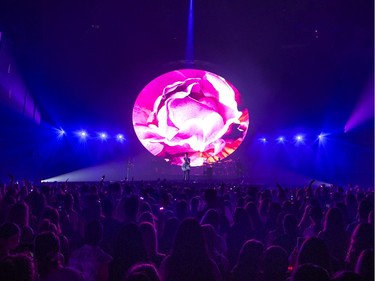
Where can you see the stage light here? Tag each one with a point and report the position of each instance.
(299, 139)
(60, 133)
(120, 138)
(280, 139)
(82, 135)
(103, 136)
(263, 140)
(322, 138)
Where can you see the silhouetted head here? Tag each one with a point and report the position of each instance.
(194, 204)
(129, 243)
(315, 251)
(210, 196)
(240, 217)
(275, 263)
(251, 209)
(19, 267)
(9, 236)
(290, 224)
(47, 252)
(189, 242)
(362, 239)
(52, 215)
(169, 233)
(131, 205)
(250, 257)
(19, 214)
(273, 210)
(333, 219)
(142, 272)
(47, 225)
(364, 208)
(310, 272)
(365, 265)
(363, 236)
(211, 217)
(148, 232)
(346, 276)
(93, 233)
(316, 214)
(68, 201)
(107, 207)
(209, 236)
(182, 208)
(147, 217)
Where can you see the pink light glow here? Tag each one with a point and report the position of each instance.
(191, 111)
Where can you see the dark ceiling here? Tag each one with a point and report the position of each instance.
(296, 62)
(87, 60)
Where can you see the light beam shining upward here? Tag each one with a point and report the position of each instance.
(190, 36)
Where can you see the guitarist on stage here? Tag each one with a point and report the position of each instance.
(186, 167)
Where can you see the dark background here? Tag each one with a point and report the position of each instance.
(301, 66)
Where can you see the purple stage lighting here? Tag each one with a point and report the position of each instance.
(364, 109)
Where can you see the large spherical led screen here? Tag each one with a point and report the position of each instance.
(190, 111)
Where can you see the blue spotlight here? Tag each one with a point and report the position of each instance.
(103, 136)
(280, 139)
(299, 139)
(120, 138)
(190, 35)
(82, 135)
(60, 133)
(322, 138)
(263, 140)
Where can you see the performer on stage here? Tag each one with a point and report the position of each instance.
(186, 167)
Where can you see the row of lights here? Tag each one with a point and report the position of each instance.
(297, 139)
(83, 135)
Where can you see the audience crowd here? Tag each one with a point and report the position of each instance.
(177, 231)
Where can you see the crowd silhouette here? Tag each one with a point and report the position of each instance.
(176, 231)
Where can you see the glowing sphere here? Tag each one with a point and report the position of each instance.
(190, 111)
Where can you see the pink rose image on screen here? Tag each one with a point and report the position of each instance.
(190, 111)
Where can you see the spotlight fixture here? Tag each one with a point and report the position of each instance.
(263, 140)
(103, 136)
(322, 138)
(299, 139)
(120, 137)
(60, 133)
(82, 135)
(280, 139)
